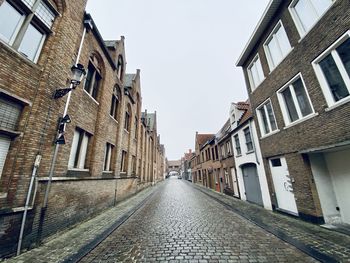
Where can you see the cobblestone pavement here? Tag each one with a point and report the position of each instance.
(331, 243)
(181, 224)
(64, 245)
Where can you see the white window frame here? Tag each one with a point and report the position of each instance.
(237, 146)
(251, 139)
(283, 105)
(270, 38)
(321, 77)
(261, 121)
(255, 83)
(297, 21)
(18, 27)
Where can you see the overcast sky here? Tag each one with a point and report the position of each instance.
(186, 50)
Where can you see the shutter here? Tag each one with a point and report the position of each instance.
(4, 147)
(9, 114)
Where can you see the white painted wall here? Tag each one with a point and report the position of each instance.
(339, 168)
(253, 157)
(325, 188)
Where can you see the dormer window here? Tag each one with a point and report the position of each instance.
(23, 31)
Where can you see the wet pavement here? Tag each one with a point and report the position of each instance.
(181, 224)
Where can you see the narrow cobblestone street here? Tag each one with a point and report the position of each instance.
(181, 224)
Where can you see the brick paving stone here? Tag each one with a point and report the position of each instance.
(178, 213)
(323, 240)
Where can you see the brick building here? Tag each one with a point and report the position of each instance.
(97, 165)
(206, 166)
(296, 66)
(227, 160)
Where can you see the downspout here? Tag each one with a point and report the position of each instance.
(87, 23)
(253, 141)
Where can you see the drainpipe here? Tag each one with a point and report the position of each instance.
(87, 25)
(26, 207)
(253, 141)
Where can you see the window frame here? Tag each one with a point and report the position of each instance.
(91, 86)
(272, 65)
(115, 104)
(322, 78)
(254, 85)
(283, 104)
(237, 145)
(298, 22)
(29, 17)
(124, 162)
(108, 156)
(81, 149)
(249, 143)
(261, 121)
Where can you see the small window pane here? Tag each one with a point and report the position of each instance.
(283, 41)
(274, 52)
(334, 79)
(31, 42)
(10, 20)
(271, 116)
(264, 119)
(321, 5)
(276, 162)
(292, 112)
(344, 53)
(302, 98)
(9, 114)
(305, 14)
(44, 13)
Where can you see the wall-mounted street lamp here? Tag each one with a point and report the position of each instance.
(78, 73)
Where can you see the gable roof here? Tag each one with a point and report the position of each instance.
(203, 138)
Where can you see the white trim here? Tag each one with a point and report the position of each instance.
(260, 120)
(321, 77)
(271, 133)
(283, 105)
(297, 21)
(272, 37)
(91, 97)
(253, 84)
(310, 116)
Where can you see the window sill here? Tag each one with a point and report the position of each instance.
(113, 119)
(284, 58)
(20, 55)
(301, 120)
(338, 103)
(125, 130)
(3, 195)
(270, 134)
(11, 133)
(255, 88)
(239, 155)
(92, 98)
(249, 152)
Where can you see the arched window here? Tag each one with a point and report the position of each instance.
(23, 31)
(93, 78)
(116, 99)
(120, 67)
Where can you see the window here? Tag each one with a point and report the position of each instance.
(294, 100)
(216, 153)
(248, 140)
(120, 67)
(333, 71)
(255, 73)
(9, 114)
(123, 168)
(238, 145)
(228, 148)
(133, 161)
(108, 157)
(212, 153)
(266, 118)
(306, 13)
(277, 46)
(22, 30)
(77, 158)
(223, 152)
(136, 127)
(127, 119)
(92, 80)
(115, 103)
(4, 147)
